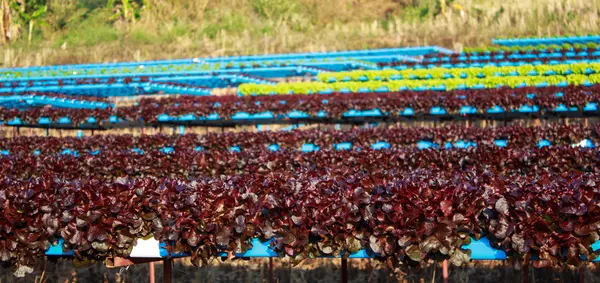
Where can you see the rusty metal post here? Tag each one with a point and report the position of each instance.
(151, 272)
(271, 279)
(168, 270)
(525, 272)
(445, 270)
(344, 270)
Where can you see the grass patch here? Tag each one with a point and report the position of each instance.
(231, 21)
(182, 28)
(140, 36)
(94, 30)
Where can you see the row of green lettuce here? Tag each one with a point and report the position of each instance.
(539, 47)
(583, 35)
(583, 68)
(433, 84)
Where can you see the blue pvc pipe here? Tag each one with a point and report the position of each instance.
(408, 51)
(480, 250)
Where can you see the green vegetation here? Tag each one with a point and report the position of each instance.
(448, 84)
(452, 73)
(72, 31)
(527, 48)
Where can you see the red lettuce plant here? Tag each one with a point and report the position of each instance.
(335, 105)
(402, 216)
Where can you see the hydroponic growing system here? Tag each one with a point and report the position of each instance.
(455, 192)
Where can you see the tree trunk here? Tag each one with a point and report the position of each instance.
(31, 22)
(2, 29)
(4, 22)
(443, 6)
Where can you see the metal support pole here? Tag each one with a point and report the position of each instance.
(525, 271)
(271, 279)
(168, 270)
(151, 271)
(445, 270)
(344, 270)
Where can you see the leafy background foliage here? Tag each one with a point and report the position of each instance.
(93, 31)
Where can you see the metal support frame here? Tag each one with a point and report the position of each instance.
(344, 271)
(437, 119)
(151, 272)
(168, 270)
(271, 278)
(525, 271)
(123, 262)
(445, 272)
